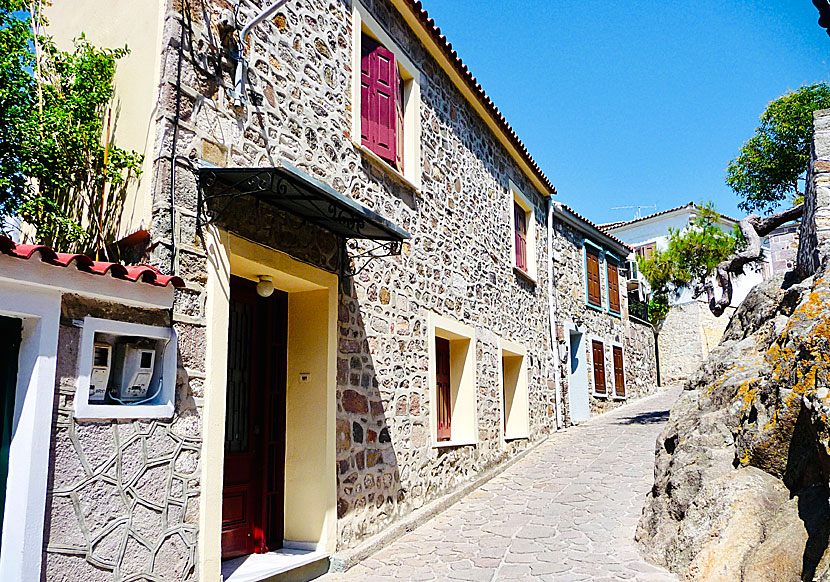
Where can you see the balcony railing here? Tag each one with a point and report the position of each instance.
(638, 309)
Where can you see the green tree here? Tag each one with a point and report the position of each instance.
(60, 172)
(770, 164)
(691, 256)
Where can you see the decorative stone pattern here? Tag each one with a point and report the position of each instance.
(123, 496)
(637, 338)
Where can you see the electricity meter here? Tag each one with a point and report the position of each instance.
(100, 377)
(137, 363)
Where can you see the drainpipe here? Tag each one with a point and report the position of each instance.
(552, 317)
(238, 91)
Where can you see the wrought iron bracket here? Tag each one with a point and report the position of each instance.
(355, 263)
(249, 186)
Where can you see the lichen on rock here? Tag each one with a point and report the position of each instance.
(742, 468)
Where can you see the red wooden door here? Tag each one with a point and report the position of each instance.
(619, 375)
(599, 367)
(442, 387)
(252, 498)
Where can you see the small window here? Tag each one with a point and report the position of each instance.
(381, 102)
(442, 388)
(523, 227)
(520, 218)
(619, 373)
(592, 275)
(452, 379)
(598, 356)
(515, 407)
(613, 274)
(646, 251)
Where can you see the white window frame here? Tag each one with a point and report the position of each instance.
(162, 406)
(516, 423)
(517, 196)
(464, 408)
(364, 22)
(625, 382)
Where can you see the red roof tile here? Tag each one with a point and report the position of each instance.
(138, 273)
(442, 42)
(578, 216)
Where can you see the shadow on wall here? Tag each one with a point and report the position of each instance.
(368, 476)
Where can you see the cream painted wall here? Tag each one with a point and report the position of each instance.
(112, 24)
(311, 486)
(310, 476)
(515, 405)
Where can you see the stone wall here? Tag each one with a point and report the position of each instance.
(636, 338)
(123, 496)
(457, 264)
(687, 335)
(815, 223)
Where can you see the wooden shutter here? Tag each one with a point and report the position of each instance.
(599, 367)
(442, 385)
(520, 222)
(619, 375)
(592, 260)
(613, 287)
(399, 122)
(379, 89)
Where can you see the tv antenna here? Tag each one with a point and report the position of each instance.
(639, 214)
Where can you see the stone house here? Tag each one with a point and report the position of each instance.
(368, 322)
(689, 331)
(609, 354)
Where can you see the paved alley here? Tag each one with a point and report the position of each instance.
(568, 511)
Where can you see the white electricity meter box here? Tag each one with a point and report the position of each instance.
(134, 366)
(101, 367)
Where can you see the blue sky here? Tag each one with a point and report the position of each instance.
(635, 102)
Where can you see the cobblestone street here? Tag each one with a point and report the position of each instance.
(567, 511)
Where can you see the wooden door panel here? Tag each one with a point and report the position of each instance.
(252, 499)
(599, 367)
(619, 373)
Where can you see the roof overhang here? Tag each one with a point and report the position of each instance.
(287, 188)
(591, 232)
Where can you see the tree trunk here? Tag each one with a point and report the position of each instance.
(753, 227)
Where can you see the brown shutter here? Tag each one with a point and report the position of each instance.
(613, 288)
(442, 388)
(592, 259)
(619, 375)
(599, 367)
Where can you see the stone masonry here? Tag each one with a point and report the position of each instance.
(123, 496)
(637, 338)
(457, 264)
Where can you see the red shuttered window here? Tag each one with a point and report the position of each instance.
(592, 274)
(619, 375)
(599, 367)
(613, 287)
(442, 388)
(381, 102)
(520, 222)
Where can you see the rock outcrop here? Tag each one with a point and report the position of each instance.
(742, 469)
(742, 473)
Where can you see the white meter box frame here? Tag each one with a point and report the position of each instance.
(162, 405)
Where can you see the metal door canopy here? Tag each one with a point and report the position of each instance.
(289, 189)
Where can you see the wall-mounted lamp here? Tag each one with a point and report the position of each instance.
(265, 287)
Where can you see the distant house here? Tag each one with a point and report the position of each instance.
(690, 331)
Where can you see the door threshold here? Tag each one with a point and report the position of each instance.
(283, 564)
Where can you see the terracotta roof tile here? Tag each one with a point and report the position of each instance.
(138, 273)
(613, 225)
(575, 214)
